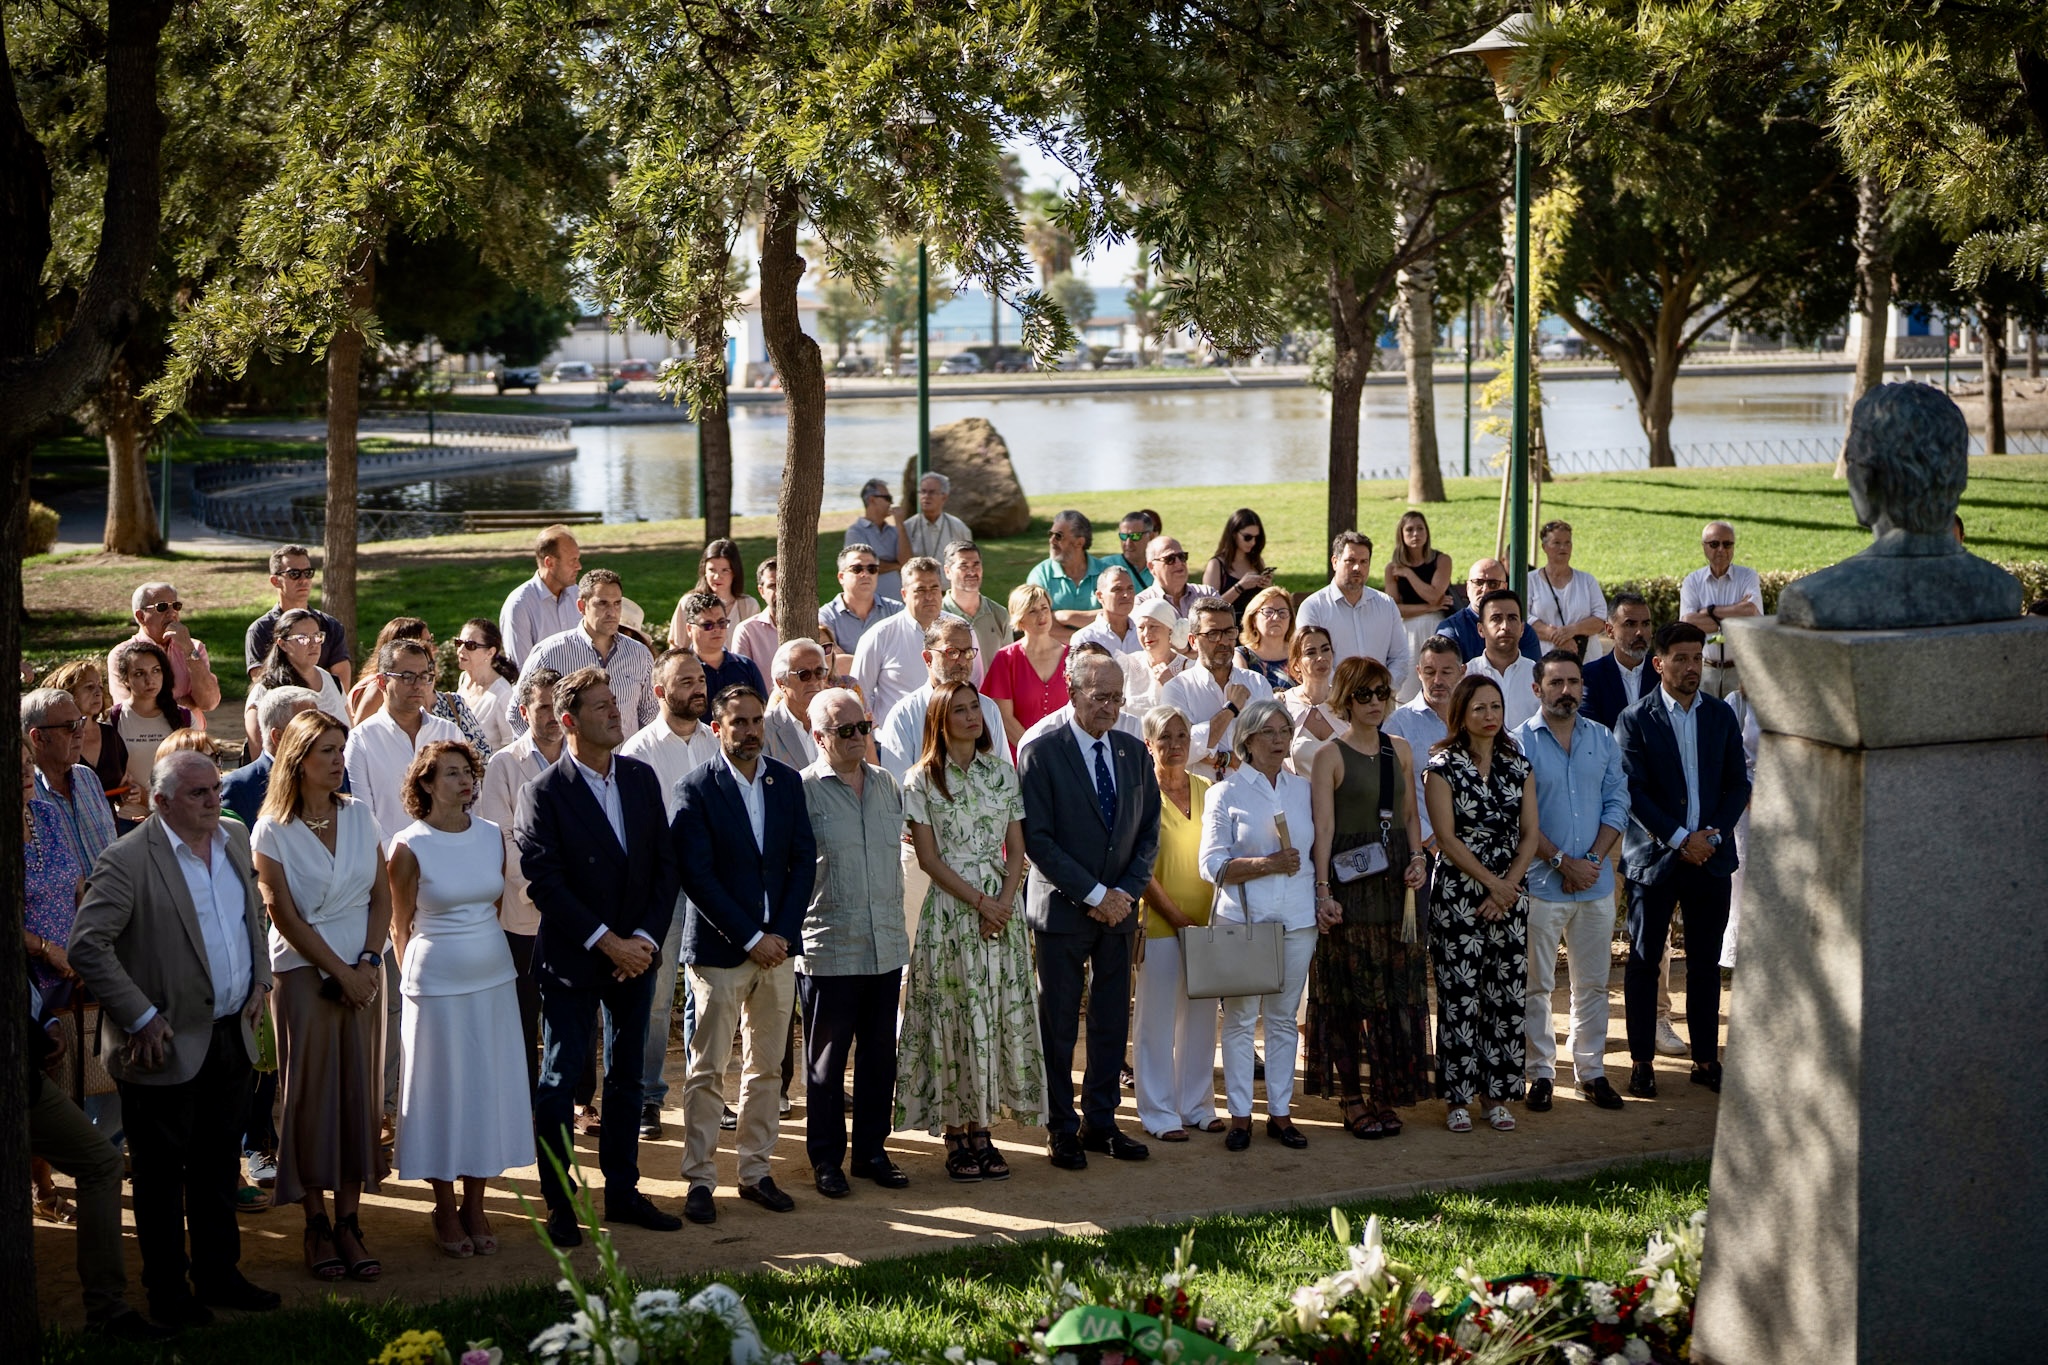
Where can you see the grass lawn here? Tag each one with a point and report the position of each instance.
(1247, 1265)
(1626, 526)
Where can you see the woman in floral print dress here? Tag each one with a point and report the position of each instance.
(1482, 807)
(968, 1047)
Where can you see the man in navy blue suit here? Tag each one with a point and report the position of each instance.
(594, 845)
(743, 842)
(1687, 786)
(1617, 679)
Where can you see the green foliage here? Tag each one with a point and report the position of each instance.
(42, 530)
(844, 314)
(440, 288)
(1074, 296)
(896, 300)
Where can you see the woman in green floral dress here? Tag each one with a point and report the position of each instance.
(968, 1047)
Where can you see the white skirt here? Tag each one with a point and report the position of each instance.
(463, 1104)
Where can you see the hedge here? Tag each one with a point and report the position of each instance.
(1661, 592)
(42, 530)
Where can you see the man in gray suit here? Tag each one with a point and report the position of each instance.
(1091, 827)
(800, 672)
(170, 938)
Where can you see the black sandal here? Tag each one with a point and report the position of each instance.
(1360, 1120)
(963, 1163)
(993, 1167)
(366, 1268)
(1390, 1123)
(328, 1267)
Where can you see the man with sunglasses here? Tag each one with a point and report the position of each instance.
(159, 619)
(55, 729)
(1067, 573)
(879, 529)
(709, 624)
(1133, 534)
(1169, 563)
(801, 672)
(859, 605)
(856, 945)
(1462, 625)
(889, 665)
(1722, 589)
(291, 574)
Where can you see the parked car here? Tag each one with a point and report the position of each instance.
(963, 363)
(570, 370)
(849, 365)
(1118, 359)
(1176, 360)
(636, 369)
(517, 377)
(1562, 348)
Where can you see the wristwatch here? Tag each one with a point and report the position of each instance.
(1557, 861)
(1594, 859)
(1231, 707)
(374, 959)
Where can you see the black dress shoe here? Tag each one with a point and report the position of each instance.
(239, 1295)
(650, 1120)
(640, 1211)
(181, 1312)
(697, 1205)
(1290, 1136)
(767, 1196)
(1539, 1095)
(1642, 1081)
(1258, 1066)
(1600, 1092)
(883, 1172)
(129, 1325)
(1064, 1149)
(563, 1229)
(831, 1182)
(1237, 1139)
(1708, 1076)
(1112, 1143)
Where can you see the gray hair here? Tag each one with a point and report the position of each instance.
(822, 704)
(164, 776)
(923, 564)
(945, 484)
(1083, 664)
(935, 634)
(876, 488)
(148, 590)
(1106, 570)
(278, 707)
(35, 706)
(786, 652)
(1074, 520)
(1252, 720)
(1154, 724)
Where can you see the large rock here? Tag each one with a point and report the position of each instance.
(986, 494)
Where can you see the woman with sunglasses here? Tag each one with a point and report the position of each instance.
(968, 1048)
(1237, 571)
(1368, 988)
(101, 747)
(293, 661)
(146, 718)
(487, 680)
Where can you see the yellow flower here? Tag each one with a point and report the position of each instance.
(414, 1348)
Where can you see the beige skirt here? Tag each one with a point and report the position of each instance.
(330, 1066)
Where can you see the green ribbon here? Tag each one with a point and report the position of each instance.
(1094, 1324)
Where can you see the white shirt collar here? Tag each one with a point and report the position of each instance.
(1672, 703)
(760, 770)
(215, 845)
(1088, 741)
(591, 775)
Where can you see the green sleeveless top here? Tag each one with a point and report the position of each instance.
(1358, 792)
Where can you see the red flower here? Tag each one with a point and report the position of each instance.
(1154, 1305)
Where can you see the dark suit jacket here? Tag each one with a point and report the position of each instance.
(1070, 850)
(726, 877)
(1656, 785)
(579, 877)
(242, 791)
(1606, 696)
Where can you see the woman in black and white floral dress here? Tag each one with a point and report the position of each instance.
(1481, 795)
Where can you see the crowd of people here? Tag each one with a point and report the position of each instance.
(442, 933)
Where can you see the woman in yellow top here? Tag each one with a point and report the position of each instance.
(1176, 1037)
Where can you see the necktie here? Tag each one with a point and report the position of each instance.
(1105, 792)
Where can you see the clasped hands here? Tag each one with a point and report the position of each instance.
(1114, 906)
(1500, 898)
(1696, 849)
(633, 955)
(1577, 874)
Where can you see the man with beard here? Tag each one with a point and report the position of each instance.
(1614, 681)
(1581, 810)
(1212, 693)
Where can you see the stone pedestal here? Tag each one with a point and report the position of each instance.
(1880, 1186)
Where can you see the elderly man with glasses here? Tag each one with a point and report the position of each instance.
(801, 672)
(1462, 625)
(55, 729)
(879, 528)
(1722, 589)
(292, 574)
(1168, 560)
(160, 619)
(928, 533)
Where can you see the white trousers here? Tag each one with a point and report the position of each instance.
(761, 998)
(1283, 1035)
(1586, 928)
(1174, 1045)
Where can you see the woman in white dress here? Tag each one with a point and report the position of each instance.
(1162, 634)
(293, 661)
(463, 1106)
(1313, 659)
(488, 678)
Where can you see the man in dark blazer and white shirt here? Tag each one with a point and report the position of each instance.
(1687, 786)
(743, 843)
(1091, 829)
(1617, 679)
(593, 844)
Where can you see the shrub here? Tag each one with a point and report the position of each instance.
(1661, 592)
(42, 530)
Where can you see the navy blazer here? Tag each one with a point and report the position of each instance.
(1462, 625)
(579, 877)
(1071, 850)
(1656, 785)
(1606, 695)
(242, 791)
(734, 889)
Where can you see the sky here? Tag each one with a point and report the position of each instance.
(1111, 268)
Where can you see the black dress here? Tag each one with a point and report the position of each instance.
(1482, 967)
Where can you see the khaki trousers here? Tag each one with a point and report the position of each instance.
(727, 998)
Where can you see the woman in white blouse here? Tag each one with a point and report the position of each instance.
(1567, 608)
(322, 878)
(1255, 824)
(1313, 659)
(1162, 635)
(488, 678)
(293, 661)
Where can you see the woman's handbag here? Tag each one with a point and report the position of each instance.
(1369, 859)
(1224, 958)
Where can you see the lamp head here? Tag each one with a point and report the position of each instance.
(1498, 46)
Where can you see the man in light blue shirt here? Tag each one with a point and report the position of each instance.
(544, 604)
(1581, 810)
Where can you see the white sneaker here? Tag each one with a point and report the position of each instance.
(1668, 1041)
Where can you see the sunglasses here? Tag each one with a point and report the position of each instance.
(1488, 582)
(466, 645)
(297, 575)
(1129, 536)
(859, 727)
(321, 639)
(818, 674)
(863, 568)
(1380, 693)
(165, 607)
(719, 624)
(76, 727)
(1176, 557)
(1718, 544)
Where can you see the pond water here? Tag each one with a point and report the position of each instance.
(1080, 443)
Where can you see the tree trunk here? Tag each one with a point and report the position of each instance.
(714, 426)
(1417, 312)
(131, 511)
(995, 328)
(1993, 317)
(344, 379)
(1351, 338)
(1656, 413)
(1873, 295)
(803, 389)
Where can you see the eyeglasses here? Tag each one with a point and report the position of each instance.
(818, 674)
(1129, 536)
(76, 727)
(1275, 610)
(1219, 633)
(409, 679)
(1250, 533)
(1104, 698)
(1380, 693)
(165, 607)
(1718, 544)
(863, 568)
(1488, 582)
(859, 727)
(719, 624)
(1175, 557)
(321, 639)
(297, 575)
(957, 654)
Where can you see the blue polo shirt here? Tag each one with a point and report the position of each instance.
(1066, 593)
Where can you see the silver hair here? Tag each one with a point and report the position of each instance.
(278, 707)
(923, 564)
(786, 652)
(960, 547)
(1154, 723)
(164, 775)
(1077, 522)
(1252, 720)
(945, 484)
(1106, 570)
(822, 704)
(35, 707)
(1082, 663)
(149, 590)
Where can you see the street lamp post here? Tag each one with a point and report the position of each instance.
(1497, 48)
(924, 366)
(1468, 385)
